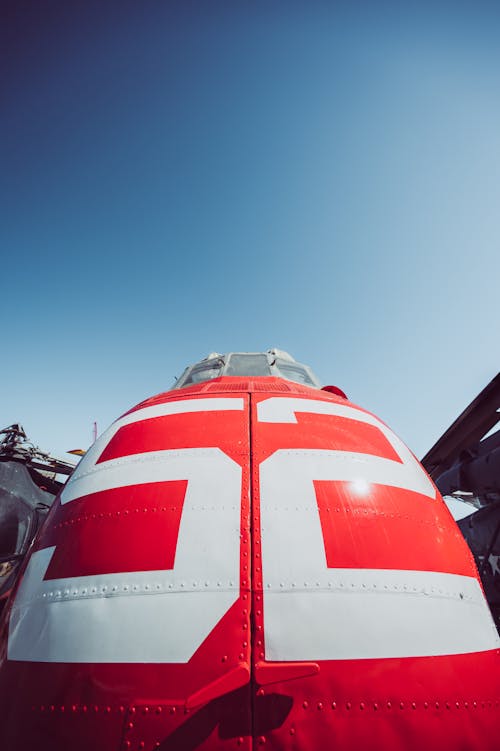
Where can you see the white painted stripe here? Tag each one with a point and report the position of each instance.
(369, 613)
(138, 469)
(88, 464)
(283, 409)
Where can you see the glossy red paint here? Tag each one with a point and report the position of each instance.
(230, 693)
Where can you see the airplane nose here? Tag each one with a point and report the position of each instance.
(249, 562)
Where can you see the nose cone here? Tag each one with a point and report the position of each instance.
(248, 561)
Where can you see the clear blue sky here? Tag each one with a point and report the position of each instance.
(178, 178)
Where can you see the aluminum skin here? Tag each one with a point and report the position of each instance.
(249, 563)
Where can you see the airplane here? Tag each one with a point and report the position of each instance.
(249, 561)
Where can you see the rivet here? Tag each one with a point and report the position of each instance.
(224, 658)
(375, 706)
(132, 710)
(448, 705)
(260, 692)
(172, 710)
(426, 705)
(130, 725)
(334, 705)
(145, 710)
(320, 705)
(401, 705)
(142, 744)
(84, 708)
(437, 705)
(348, 705)
(241, 656)
(240, 741)
(292, 731)
(362, 705)
(262, 740)
(389, 705)
(457, 704)
(159, 710)
(305, 704)
(127, 744)
(413, 705)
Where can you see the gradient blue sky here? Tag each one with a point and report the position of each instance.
(184, 177)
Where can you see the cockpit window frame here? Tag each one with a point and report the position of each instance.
(279, 367)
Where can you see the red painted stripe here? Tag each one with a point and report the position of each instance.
(324, 432)
(225, 430)
(389, 528)
(134, 528)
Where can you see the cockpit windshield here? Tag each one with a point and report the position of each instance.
(203, 371)
(244, 365)
(294, 372)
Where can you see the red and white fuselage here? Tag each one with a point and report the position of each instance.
(249, 562)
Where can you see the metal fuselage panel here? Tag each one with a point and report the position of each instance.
(364, 574)
(249, 563)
